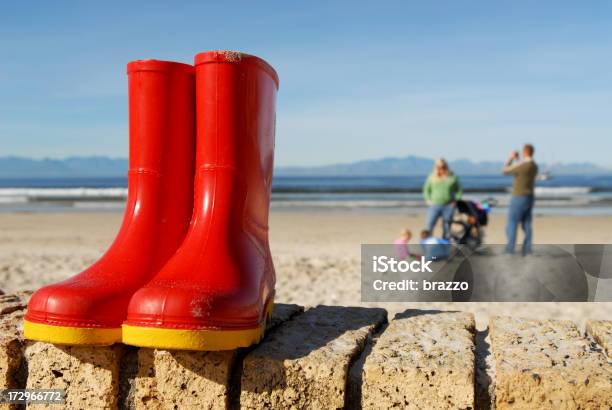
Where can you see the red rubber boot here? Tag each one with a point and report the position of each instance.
(217, 290)
(90, 307)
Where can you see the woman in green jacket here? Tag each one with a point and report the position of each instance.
(441, 189)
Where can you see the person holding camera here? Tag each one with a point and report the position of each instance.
(520, 210)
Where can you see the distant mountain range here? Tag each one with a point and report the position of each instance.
(413, 165)
(99, 166)
(20, 167)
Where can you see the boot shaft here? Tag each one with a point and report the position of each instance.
(235, 128)
(162, 117)
(161, 155)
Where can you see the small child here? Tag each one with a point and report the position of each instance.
(434, 248)
(401, 245)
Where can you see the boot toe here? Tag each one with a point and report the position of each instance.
(183, 308)
(65, 304)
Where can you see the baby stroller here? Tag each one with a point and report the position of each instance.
(468, 227)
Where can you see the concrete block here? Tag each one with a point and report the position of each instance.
(185, 379)
(547, 364)
(422, 360)
(305, 363)
(89, 375)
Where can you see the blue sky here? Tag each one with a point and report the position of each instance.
(358, 79)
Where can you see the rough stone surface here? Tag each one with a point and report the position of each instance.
(305, 363)
(193, 379)
(12, 369)
(10, 361)
(601, 331)
(547, 364)
(128, 374)
(283, 312)
(12, 310)
(10, 349)
(185, 379)
(145, 394)
(12, 303)
(89, 375)
(485, 372)
(355, 375)
(423, 360)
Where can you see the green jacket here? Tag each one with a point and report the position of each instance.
(443, 191)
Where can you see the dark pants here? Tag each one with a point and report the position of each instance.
(520, 212)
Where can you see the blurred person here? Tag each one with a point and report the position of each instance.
(520, 210)
(434, 248)
(401, 245)
(441, 189)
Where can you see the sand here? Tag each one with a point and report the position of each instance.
(316, 255)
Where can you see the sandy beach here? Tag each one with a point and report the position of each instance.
(316, 254)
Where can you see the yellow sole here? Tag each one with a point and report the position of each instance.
(186, 339)
(66, 335)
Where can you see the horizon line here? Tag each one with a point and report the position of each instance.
(111, 157)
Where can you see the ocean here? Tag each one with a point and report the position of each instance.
(562, 194)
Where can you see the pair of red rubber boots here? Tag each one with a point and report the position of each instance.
(191, 266)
